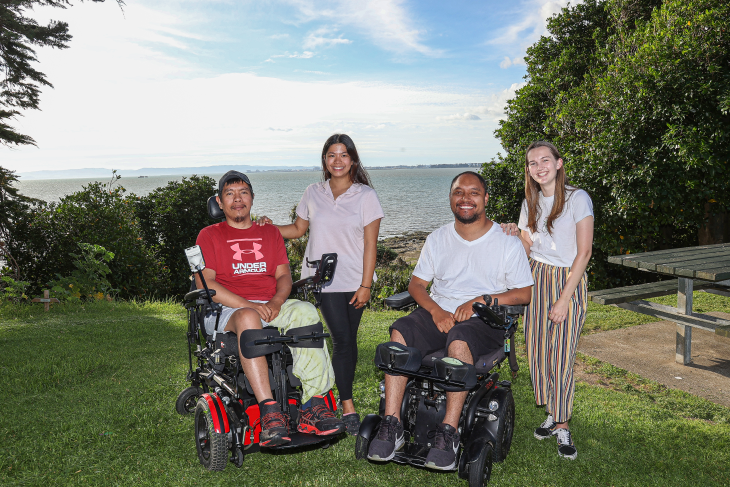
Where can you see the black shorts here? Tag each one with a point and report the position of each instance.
(420, 331)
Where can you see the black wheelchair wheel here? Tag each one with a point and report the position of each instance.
(481, 469)
(505, 427)
(211, 446)
(187, 399)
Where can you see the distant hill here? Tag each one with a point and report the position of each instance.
(98, 172)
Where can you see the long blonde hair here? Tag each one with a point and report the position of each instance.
(532, 190)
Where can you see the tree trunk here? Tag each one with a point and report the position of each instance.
(716, 228)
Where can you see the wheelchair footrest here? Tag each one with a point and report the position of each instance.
(413, 454)
(299, 440)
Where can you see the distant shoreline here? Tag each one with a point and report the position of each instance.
(91, 173)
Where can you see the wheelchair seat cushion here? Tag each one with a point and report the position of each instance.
(483, 365)
(391, 355)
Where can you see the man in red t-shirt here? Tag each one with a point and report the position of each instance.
(247, 266)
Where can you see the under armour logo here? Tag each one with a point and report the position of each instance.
(255, 251)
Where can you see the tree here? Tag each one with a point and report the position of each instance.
(636, 94)
(21, 84)
(14, 210)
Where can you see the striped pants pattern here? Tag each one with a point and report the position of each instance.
(551, 347)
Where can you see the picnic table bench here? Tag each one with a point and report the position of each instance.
(704, 268)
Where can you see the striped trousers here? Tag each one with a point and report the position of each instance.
(551, 347)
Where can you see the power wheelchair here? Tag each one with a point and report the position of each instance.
(487, 419)
(220, 395)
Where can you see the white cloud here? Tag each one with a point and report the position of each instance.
(317, 39)
(532, 24)
(460, 116)
(296, 55)
(507, 62)
(278, 36)
(387, 22)
(311, 72)
(495, 109)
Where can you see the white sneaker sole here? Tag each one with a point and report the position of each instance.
(433, 466)
(540, 437)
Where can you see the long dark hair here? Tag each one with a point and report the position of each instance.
(358, 174)
(532, 189)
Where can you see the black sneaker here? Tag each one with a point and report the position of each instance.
(546, 429)
(274, 426)
(442, 455)
(566, 448)
(318, 419)
(389, 439)
(352, 423)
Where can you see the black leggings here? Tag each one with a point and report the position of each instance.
(342, 320)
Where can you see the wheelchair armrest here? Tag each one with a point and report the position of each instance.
(197, 294)
(515, 309)
(400, 300)
(302, 282)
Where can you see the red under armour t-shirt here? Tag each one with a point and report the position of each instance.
(244, 261)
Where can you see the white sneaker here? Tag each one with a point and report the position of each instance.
(546, 429)
(566, 448)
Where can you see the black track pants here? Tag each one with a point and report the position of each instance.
(342, 320)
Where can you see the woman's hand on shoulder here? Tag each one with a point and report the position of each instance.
(510, 229)
(263, 220)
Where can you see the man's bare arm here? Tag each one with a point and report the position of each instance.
(443, 319)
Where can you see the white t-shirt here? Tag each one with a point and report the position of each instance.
(560, 248)
(462, 270)
(338, 225)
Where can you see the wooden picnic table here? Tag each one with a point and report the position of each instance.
(705, 267)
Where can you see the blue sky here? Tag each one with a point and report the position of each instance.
(192, 83)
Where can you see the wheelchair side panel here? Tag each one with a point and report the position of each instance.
(217, 412)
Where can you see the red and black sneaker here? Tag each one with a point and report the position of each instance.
(274, 426)
(318, 419)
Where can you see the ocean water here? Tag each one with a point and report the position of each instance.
(412, 199)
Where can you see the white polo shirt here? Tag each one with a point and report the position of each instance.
(338, 225)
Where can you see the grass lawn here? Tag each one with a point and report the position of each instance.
(91, 393)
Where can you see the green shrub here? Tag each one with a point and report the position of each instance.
(170, 219)
(13, 290)
(101, 215)
(392, 279)
(89, 279)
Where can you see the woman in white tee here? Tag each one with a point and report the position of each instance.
(343, 215)
(556, 224)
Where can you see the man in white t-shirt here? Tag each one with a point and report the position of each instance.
(465, 260)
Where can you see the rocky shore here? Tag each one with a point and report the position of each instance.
(408, 245)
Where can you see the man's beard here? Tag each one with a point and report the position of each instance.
(239, 219)
(467, 221)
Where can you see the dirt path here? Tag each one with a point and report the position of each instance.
(648, 350)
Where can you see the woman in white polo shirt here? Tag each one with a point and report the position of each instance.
(343, 215)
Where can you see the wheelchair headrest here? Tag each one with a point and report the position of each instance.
(393, 355)
(449, 368)
(249, 349)
(214, 211)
